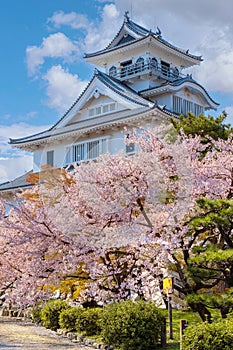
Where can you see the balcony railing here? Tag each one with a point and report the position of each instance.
(136, 69)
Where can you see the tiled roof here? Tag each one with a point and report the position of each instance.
(115, 85)
(179, 82)
(142, 33)
(123, 90)
(19, 182)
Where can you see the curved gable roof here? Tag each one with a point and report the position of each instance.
(181, 83)
(119, 89)
(137, 33)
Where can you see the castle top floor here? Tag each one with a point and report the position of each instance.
(136, 51)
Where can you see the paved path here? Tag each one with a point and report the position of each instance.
(17, 335)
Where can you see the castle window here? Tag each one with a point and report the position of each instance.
(103, 109)
(139, 64)
(177, 104)
(198, 109)
(154, 62)
(98, 110)
(183, 106)
(126, 68)
(50, 158)
(175, 72)
(87, 150)
(165, 68)
(130, 148)
(112, 71)
(187, 106)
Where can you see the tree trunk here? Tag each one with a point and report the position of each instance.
(203, 312)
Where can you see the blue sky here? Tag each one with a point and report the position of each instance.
(43, 42)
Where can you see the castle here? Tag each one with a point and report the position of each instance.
(139, 80)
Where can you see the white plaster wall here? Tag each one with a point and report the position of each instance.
(115, 144)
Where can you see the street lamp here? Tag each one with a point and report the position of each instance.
(168, 290)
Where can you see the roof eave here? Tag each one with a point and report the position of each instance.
(33, 144)
(150, 38)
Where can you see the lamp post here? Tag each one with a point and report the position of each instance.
(168, 290)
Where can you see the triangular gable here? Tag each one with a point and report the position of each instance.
(127, 38)
(127, 33)
(103, 87)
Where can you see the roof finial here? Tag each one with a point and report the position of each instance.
(126, 16)
(158, 32)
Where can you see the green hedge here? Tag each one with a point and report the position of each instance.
(89, 322)
(36, 313)
(68, 317)
(50, 313)
(131, 325)
(214, 336)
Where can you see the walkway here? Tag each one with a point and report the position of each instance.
(17, 335)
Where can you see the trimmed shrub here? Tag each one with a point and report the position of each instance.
(214, 336)
(131, 325)
(67, 318)
(89, 322)
(36, 313)
(50, 313)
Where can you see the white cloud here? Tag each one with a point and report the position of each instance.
(72, 19)
(100, 34)
(204, 27)
(63, 88)
(14, 162)
(10, 168)
(229, 111)
(56, 45)
(18, 130)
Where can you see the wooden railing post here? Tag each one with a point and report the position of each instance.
(163, 333)
(183, 326)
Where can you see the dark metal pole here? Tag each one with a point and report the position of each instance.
(170, 316)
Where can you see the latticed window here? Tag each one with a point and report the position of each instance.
(103, 109)
(183, 106)
(85, 151)
(139, 64)
(198, 109)
(112, 71)
(165, 68)
(93, 149)
(187, 106)
(177, 104)
(130, 148)
(154, 62)
(78, 152)
(50, 158)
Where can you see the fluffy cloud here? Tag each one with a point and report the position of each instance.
(56, 45)
(101, 33)
(63, 88)
(72, 19)
(14, 162)
(9, 167)
(204, 27)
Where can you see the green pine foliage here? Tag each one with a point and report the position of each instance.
(210, 263)
(204, 126)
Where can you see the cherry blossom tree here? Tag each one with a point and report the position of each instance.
(124, 219)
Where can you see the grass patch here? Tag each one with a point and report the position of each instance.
(191, 317)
